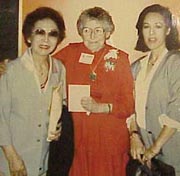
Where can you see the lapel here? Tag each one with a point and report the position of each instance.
(136, 67)
(55, 76)
(54, 70)
(161, 65)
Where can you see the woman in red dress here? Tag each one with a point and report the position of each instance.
(101, 138)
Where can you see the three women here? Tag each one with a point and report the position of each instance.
(99, 148)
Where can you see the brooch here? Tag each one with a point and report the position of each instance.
(111, 60)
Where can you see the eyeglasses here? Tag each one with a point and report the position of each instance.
(96, 31)
(42, 32)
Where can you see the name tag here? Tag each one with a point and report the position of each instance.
(86, 58)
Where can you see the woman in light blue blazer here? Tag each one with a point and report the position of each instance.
(155, 127)
(26, 94)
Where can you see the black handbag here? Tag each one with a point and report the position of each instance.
(61, 152)
(159, 168)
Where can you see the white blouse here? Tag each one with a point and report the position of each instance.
(142, 85)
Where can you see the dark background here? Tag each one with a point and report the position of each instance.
(9, 29)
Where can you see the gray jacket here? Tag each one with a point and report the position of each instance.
(163, 98)
(24, 112)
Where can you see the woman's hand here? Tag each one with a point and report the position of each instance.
(56, 135)
(17, 166)
(151, 152)
(137, 147)
(90, 105)
(165, 134)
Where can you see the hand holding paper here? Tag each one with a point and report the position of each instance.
(89, 104)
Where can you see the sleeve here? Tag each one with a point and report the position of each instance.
(63, 80)
(165, 120)
(5, 110)
(172, 116)
(129, 120)
(123, 105)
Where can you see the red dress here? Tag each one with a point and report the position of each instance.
(101, 140)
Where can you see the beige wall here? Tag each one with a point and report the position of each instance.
(124, 13)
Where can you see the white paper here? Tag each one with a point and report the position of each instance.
(55, 110)
(75, 94)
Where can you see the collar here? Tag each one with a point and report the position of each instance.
(145, 59)
(28, 62)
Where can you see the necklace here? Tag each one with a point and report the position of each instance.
(42, 73)
(152, 61)
(93, 74)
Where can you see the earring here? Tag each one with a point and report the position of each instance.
(29, 41)
(168, 31)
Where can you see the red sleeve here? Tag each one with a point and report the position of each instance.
(123, 104)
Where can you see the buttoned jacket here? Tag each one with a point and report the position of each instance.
(24, 111)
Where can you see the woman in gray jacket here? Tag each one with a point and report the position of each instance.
(157, 89)
(26, 93)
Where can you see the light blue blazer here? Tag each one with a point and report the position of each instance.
(163, 98)
(24, 112)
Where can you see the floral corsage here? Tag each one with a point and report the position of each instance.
(111, 60)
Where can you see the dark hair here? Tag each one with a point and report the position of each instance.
(172, 40)
(39, 14)
(96, 13)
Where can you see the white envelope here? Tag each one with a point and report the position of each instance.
(55, 110)
(75, 93)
